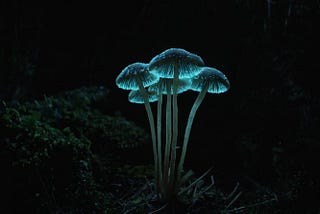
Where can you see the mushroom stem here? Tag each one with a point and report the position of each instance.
(168, 135)
(152, 128)
(159, 119)
(193, 111)
(174, 128)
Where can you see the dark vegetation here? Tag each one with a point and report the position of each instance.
(70, 142)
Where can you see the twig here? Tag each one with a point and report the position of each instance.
(195, 182)
(197, 195)
(233, 191)
(253, 205)
(126, 212)
(208, 187)
(233, 200)
(161, 208)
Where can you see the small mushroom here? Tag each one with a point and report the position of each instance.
(136, 77)
(209, 80)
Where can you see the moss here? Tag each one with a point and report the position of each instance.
(59, 152)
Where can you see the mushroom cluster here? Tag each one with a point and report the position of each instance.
(168, 74)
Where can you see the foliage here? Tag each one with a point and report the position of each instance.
(33, 141)
(80, 110)
(55, 150)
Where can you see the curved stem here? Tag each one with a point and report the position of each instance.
(193, 111)
(159, 119)
(152, 128)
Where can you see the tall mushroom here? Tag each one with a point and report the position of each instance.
(136, 77)
(175, 63)
(209, 80)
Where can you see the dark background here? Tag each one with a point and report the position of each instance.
(268, 51)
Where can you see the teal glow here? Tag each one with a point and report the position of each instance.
(170, 73)
(130, 75)
(217, 82)
(183, 85)
(188, 64)
(136, 96)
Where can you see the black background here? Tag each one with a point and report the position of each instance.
(270, 58)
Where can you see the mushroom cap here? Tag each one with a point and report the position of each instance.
(135, 96)
(183, 85)
(216, 80)
(164, 63)
(129, 76)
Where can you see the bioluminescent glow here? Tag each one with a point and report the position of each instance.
(217, 82)
(168, 74)
(136, 96)
(164, 83)
(186, 63)
(130, 76)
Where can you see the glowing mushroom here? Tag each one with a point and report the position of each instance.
(170, 73)
(209, 80)
(178, 60)
(136, 77)
(175, 63)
